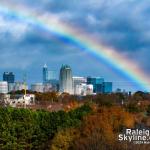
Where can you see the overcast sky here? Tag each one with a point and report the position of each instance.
(121, 24)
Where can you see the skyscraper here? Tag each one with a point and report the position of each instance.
(8, 77)
(45, 73)
(48, 75)
(65, 79)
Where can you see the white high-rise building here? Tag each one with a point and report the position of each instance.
(84, 89)
(65, 79)
(80, 89)
(89, 89)
(3, 87)
(78, 81)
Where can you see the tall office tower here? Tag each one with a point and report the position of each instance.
(45, 74)
(97, 83)
(65, 79)
(8, 77)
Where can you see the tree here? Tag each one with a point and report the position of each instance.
(64, 139)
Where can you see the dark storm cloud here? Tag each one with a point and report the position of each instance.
(121, 24)
(118, 23)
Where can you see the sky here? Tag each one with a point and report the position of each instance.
(120, 24)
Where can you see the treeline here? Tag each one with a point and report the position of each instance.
(113, 97)
(48, 96)
(25, 129)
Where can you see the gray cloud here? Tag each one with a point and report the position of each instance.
(121, 24)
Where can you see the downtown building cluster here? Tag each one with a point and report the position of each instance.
(65, 83)
(8, 84)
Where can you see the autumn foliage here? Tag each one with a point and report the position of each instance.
(98, 130)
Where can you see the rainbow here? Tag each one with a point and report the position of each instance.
(80, 39)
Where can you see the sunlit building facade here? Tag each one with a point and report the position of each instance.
(76, 82)
(3, 87)
(65, 79)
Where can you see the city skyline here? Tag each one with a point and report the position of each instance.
(32, 43)
(67, 83)
(20, 78)
(53, 84)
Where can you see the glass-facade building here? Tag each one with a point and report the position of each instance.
(45, 73)
(107, 87)
(65, 79)
(48, 75)
(51, 75)
(99, 85)
(9, 77)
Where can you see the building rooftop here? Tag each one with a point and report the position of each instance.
(45, 66)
